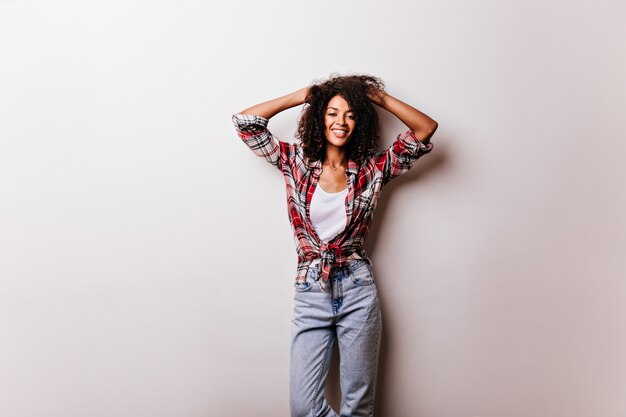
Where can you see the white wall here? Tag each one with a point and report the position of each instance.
(147, 261)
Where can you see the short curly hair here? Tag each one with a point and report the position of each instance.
(354, 89)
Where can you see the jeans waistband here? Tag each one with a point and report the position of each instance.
(350, 266)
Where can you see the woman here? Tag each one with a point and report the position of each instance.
(334, 176)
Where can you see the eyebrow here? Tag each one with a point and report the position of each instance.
(335, 108)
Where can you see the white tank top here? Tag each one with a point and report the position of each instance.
(328, 214)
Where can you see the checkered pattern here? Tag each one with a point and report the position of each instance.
(301, 177)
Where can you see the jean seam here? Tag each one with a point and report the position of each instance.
(378, 331)
(318, 384)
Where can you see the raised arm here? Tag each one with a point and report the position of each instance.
(420, 124)
(251, 125)
(270, 108)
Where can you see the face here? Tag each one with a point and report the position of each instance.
(339, 122)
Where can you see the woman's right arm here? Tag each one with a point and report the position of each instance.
(270, 108)
(251, 125)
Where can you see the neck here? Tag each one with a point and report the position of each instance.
(336, 156)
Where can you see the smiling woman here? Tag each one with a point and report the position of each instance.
(350, 93)
(339, 121)
(333, 178)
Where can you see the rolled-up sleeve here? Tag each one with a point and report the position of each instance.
(401, 155)
(254, 133)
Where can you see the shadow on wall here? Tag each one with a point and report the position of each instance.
(428, 163)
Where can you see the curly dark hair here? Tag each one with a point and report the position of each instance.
(354, 89)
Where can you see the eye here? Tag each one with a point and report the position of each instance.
(332, 114)
(351, 116)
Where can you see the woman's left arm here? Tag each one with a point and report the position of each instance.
(422, 126)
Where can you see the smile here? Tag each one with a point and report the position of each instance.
(340, 133)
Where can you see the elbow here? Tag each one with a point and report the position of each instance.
(424, 134)
(433, 128)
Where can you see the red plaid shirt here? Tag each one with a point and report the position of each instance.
(301, 177)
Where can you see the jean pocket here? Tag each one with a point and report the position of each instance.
(361, 273)
(307, 284)
(302, 286)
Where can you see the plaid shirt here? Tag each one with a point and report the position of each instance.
(301, 177)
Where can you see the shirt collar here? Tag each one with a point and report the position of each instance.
(352, 168)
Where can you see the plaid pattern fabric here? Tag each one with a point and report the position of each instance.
(301, 177)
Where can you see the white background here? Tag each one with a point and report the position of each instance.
(146, 258)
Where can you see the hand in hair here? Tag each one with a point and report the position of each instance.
(377, 95)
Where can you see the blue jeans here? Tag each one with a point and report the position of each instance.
(348, 311)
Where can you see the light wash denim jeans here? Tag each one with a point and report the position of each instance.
(349, 310)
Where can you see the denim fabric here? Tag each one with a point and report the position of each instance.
(348, 311)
